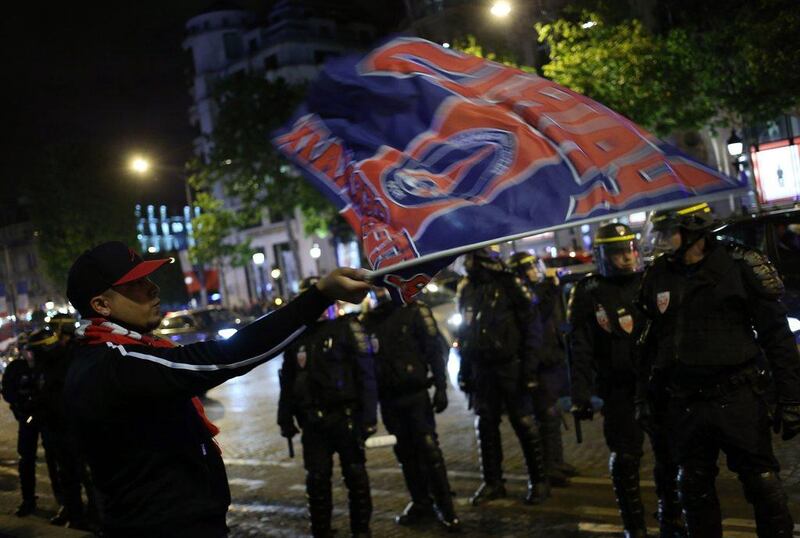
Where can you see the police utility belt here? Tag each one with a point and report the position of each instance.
(748, 376)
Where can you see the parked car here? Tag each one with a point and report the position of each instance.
(200, 324)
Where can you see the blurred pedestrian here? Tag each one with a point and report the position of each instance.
(132, 397)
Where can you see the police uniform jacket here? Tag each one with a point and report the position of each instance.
(717, 315)
(604, 326)
(512, 340)
(20, 387)
(154, 463)
(407, 347)
(328, 370)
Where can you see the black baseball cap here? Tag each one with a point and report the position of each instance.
(102, 267)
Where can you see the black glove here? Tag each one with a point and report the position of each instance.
(582, 410)
(643, 413)
(787, 419)
(439, 400)
(288, 429)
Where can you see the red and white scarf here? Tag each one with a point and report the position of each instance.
(98, 331)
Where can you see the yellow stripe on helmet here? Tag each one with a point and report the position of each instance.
(50, 340)
(693, 209)
(604, 240)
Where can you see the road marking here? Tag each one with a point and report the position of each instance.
(247, 483)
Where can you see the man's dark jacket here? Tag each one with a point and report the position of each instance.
(156, 467)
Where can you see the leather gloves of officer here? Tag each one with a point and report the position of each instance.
(582, 410)
(787, 419)
(440, 400)
(288, 429)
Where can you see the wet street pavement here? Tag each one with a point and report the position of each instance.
(269, 493)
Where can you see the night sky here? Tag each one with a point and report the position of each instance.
(117, 75)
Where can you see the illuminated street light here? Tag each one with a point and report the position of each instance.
(315, 252)
(446, 45)
(588, 24)
(275, 273)
(735, 145)
(500, 9)
(140, 165)
(258, 258)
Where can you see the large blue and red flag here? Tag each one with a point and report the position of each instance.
(429, 153)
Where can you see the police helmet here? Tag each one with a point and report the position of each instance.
(63, 324)
(522, 262)
(611, 244)
(488, 258)
(307, 282)
(692, 222)
(42, 339)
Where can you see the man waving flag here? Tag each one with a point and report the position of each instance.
(429, 153)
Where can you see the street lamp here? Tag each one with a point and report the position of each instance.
(139, 164)
(259, 259)
(315, 252)
(275, 273)
(500, 9)
(735, 145)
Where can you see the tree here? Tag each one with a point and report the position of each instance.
(245, 167)
(78, 198)
(729, 62)
(658, 81)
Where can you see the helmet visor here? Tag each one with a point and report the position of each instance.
(657, 237)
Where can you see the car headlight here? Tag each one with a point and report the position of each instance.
(455, 320)
(794, 324)
(226, 333)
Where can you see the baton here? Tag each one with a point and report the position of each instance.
(291, 446)
(578, 430)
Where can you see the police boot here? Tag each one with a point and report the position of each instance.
(553, 450)
(26, 507)
(490, 451)
(765, 492)
(359, 497)
(531, 443)
(420, 509)
(624, 470)
(440, 485)
(700, 502)
(320, 503)
(670, 513)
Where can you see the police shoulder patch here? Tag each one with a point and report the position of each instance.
(758, 270)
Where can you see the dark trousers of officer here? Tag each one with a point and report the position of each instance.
(737, 423)
(27, 445)
(410, 419)
(498, 389)
(335, 433)
(625, 437)
(71, 472)
(552, 381)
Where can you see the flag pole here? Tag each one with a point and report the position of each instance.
(457, 251)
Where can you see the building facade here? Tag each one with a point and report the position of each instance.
(291, 43)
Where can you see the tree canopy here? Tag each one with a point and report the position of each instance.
(243, 164)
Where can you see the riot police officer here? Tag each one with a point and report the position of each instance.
(21, 382)
(407, 348)
(605, 324)
(716, 315)
(553, 376)
(328, 385)
(499, 341)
